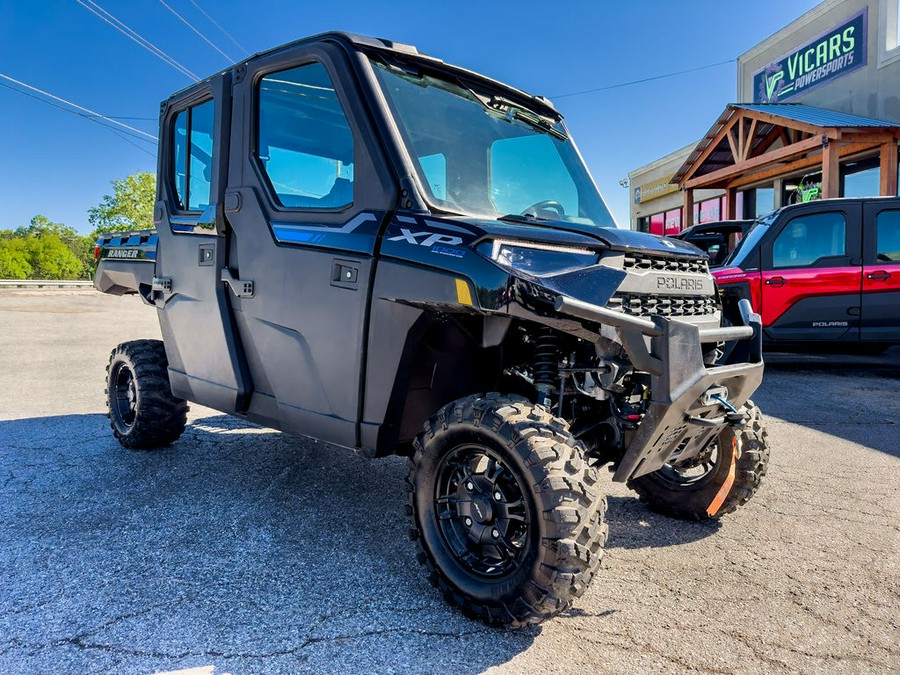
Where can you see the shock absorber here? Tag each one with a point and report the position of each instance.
(545, 365)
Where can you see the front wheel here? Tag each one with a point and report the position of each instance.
(143, 413)
(506, 512)
(722, 477)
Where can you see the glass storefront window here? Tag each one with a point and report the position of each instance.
(862, 183)
(765, 201)
(658, 223)
(711, 210)
(673, 222)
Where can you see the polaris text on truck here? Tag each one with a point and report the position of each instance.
(365, 245)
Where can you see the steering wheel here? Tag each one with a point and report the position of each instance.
(545, 205)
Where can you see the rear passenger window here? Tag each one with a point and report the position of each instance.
(305, 144)
(888, 236)
(807, 239)
(192, 160)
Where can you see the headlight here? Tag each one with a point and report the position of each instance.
(539, 260)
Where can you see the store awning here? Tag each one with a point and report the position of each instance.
(754, 143)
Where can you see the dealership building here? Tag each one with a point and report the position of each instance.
(818, 116)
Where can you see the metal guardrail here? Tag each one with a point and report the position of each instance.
(44, 283)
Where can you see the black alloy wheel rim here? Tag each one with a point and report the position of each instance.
(124, 404)
(694, 472)
(481, 512)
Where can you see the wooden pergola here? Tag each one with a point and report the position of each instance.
(752, 144)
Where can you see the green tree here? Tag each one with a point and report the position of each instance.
(130, 207)
(41, 225)
(50, 258)
(13, 257)
(82, 246)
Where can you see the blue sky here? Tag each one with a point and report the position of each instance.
(59, 165)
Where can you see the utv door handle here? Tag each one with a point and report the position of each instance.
(345, 274)
(880, 275)
(776, 281)
(242, 288)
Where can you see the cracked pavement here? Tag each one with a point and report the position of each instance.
(247, 551)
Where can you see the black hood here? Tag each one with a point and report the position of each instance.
(582, 233)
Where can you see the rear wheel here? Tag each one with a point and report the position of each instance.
(724, 476)
(507, 515)
(142, 411)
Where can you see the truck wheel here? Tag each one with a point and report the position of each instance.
(142, 411)
(721, 478)
(507, 515)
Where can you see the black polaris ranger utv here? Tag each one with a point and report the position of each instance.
(365, 245)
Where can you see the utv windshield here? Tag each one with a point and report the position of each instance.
(480, 154)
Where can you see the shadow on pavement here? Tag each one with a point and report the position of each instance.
(237, 547)
(633, 525)
(851, 362)
(851, 396)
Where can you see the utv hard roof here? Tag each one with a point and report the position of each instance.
(408, 54)
(834, 201)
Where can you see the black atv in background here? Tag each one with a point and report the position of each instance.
(717, 239)
(365, 245)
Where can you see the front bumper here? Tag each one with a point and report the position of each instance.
(680, 419)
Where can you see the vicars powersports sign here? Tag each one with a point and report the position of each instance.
(837, 52)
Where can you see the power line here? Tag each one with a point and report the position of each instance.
(136, 37)
(90, 118)
(125, 138)
(89, 112)
(645, 79)
(122, 134)
(224, 32)
(202, 36)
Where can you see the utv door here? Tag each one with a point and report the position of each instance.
(307, 195)
(811, 275)
(881, 273)
(204, 358)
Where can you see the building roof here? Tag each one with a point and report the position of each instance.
(808, 114)
(764, 121)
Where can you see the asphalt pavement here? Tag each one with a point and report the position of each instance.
(243, 550)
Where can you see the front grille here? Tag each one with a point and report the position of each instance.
(638, 304)
(643, 261)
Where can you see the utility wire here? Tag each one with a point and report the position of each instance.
(124, 117)
(125, 138)
(136, 37)
(89, 112)
(224, 32)
(202, 36)
(645, 79)
(90, 118)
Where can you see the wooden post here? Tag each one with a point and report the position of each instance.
(688, 218)
(730, 203)
(831, 184)
(888, 166)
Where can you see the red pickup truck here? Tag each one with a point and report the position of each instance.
(823, 271)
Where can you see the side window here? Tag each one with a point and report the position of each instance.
(888, 236)
(192, 159)
(435, 169)
(807, 239)
(305, 145)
